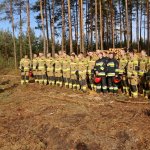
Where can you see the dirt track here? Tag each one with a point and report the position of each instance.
(36, 117)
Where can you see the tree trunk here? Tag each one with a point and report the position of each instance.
(70, 26)
(53, 29)
(47, 30)
(43, 30)
(63, 26)
(147, 10)
(127, 24)
(82, 27)
(137, 24)
(20, 32)
(77, 26)
(140, 43)
(50, 20)
(13, 32)
(112, 24)
(28, 26)
(120, 17)
(96, 33)
(101, 25)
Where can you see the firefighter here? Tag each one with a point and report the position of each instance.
(82, 70)
(58, 70)
(143, 69)
(100, 71)
(73, 83)
(50, 69)
(66, 69)
(112, 72)
(42, 69)
(132, 75)
(35, 67)
(90, 70)
(25, 65)
(123, 60)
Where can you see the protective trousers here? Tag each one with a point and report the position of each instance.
(66, 77)
(133, 85)
(58, 77)
(24, 77)
(42, 77)
(50, 75)
(113, 87)
(90, 77)
(73, 81)
(82, 80)
(102, 86)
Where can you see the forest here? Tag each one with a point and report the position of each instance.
(71, 25)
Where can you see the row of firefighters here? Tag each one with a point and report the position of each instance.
(99, 71)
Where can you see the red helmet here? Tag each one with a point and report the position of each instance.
(30, 74)
(117, 80)
(97, 80)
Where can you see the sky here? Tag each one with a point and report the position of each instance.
(5, 25)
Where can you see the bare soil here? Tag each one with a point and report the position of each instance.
(38, 117)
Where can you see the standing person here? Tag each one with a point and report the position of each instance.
(50, 69)
(90, 70)
(58, 70)
(73, 83)
(35, 67)
(100, 71)
(25, 65)
(82, 70)
(112, 72)
(42, 69)
(123, 60)
(143, 69)
(132, 74)
(66, 69)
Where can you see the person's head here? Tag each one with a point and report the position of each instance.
(111, 55)
(122, 52)
(131, 54)
(100, 55)
(40, 54)
(80, 56)
(97, 52)
(34, 55)
(143, 53)
(104, 54)
(72, 57)
(90, 54)
(26, 56)
(59, 53)
(56, 55)
(48, 55)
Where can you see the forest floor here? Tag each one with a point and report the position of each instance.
(37, 117)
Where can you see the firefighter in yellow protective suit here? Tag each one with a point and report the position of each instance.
(123, 60)
(34, 67)
(42, 69)
(58, 70)
(25, 65)
(132, 75)
(73, 83)
(66, 69)
(82, 72)
(50, 69)
(90, 70)
(143, 69)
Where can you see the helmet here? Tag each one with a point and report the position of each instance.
(30, 74)
(117, 79)
(97, 80)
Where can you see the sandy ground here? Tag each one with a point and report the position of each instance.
(37, 117)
